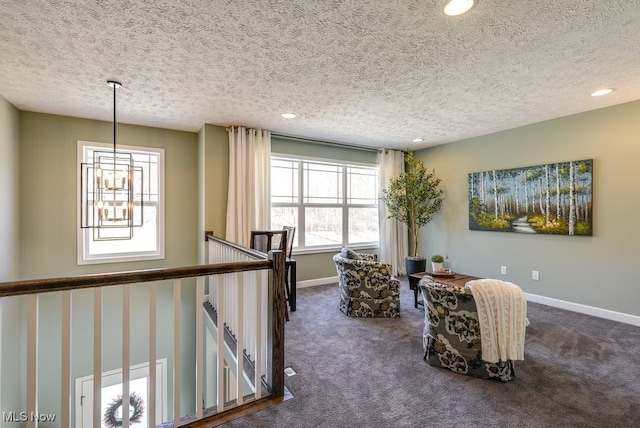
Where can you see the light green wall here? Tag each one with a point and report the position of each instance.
(598, 271)
(9, 190)
(213, 179)
(320, 265)
(48, 228)
(201, 193)
(12, 354)
(10, 308)
(48, 169)
(327, 151)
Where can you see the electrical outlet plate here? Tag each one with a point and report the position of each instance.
(535, 275)
(503, 270)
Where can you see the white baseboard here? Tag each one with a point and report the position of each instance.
(317, 281)
(584, 309)
(556, 303)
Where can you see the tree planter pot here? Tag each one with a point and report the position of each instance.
(415, 265)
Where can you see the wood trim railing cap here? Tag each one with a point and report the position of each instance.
(16, 288)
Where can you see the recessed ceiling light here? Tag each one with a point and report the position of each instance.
(601, 92)
(288, 115)
(457, 7)
(417, 140)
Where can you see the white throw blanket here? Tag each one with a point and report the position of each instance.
(502, 313)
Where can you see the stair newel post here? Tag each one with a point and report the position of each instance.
(276, 320)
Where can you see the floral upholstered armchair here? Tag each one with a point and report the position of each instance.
(451, 335)
(366, 286)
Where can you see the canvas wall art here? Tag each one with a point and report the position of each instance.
(555, 198)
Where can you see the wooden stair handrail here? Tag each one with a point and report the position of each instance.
(275, 261)
(16, 288)
(248, 251)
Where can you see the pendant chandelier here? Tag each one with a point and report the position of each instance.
(111, 190)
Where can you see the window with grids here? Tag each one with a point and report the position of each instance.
(147, 242)
(330, 203)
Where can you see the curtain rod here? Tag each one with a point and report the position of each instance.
(326, 143)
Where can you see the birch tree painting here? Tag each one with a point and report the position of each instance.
(551, 199)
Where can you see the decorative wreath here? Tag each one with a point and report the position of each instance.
(135, 402)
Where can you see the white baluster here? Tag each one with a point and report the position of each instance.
(151, 401)
(177, 350)
(126, 335)
(97, 356)
(220, 376)
(199, 345)
(32, 357)
(240, 340)
(65, 369)
(258, 329)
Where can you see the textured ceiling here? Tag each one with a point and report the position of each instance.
(368, 72)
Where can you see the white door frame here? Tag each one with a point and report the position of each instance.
(84, 390)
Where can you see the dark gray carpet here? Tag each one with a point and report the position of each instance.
(579, 371)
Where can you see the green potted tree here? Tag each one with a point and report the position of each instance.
(413, 198)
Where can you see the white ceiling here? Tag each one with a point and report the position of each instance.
(368, 72)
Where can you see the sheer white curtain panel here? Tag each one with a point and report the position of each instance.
(249, 200)
(394, 240)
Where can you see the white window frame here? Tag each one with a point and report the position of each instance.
(84, 235)
(300, 247)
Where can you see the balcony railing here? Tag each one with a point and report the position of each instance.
(89, 325)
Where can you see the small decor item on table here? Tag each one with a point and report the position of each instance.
(446, 264)
(443, 274)
(436, 263)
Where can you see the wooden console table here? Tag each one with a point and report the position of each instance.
(456, 280)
